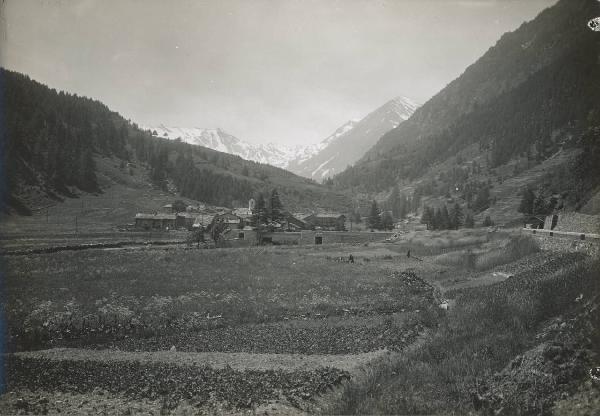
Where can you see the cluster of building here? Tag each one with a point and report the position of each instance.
(203, 217)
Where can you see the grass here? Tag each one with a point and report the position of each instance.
(431, 243)
(120, 290)
(442, 373)
(490, 255)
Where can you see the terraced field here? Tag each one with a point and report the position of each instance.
(166, 329)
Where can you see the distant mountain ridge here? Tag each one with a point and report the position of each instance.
(316, 161)
(222, 141)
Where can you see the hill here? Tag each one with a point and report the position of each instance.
(531, 96)
(53, 142)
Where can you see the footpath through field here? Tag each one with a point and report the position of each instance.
(218, 360)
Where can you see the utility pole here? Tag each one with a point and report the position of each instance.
(75, 224)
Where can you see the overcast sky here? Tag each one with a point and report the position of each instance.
(285, 71)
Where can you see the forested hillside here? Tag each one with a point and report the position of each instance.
(51, 138)
(532, 95)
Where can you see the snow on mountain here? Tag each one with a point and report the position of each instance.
(352, 140)
(318, 161)
(220, 140)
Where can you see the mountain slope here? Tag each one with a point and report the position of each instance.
(350, 142)
(531, 94)
(52, 142)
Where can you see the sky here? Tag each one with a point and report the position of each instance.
(282, 71)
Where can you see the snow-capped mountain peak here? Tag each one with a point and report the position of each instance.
(344, 146)
(352, 140)
(218, 139)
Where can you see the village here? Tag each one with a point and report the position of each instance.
(247, 226)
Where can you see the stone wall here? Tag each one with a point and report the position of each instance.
(576, 222)
(569, 245)
(566, 241)
(326, 237)
(331, 237)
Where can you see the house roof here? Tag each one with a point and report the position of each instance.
(204, 220)
(143, 216)
(242, 212)
(330, 215)
(228, 218)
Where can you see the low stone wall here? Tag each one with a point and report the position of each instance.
(566, 241)
(331, 237)
(575, 222)
(326, 237)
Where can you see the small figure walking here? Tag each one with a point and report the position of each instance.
(408, 253)
(350, 258)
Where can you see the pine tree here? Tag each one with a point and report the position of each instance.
(394, 202)
(178, 206)
(539, 206)
(456, 216)
(526, 205)
(427, 217)
(276, 206)
(387, 221)
(445, 218)
(482, 200)
(260, 210)
(469, 221)
(374, 220)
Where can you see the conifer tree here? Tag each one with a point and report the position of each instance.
(527, 200)
(427, 217)
(276, 206)
(394, 202)
(260, 210)
(469, 221)
(387, 221)
(374, 220)
(456, 216)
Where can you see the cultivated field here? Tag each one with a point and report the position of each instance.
(290, 329)
(213, 315)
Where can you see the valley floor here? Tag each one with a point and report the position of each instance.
(291, 330)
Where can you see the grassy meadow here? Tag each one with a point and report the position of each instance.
(67, 294)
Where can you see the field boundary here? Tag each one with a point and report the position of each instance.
(88, 246)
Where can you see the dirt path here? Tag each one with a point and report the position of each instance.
(237, 361)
